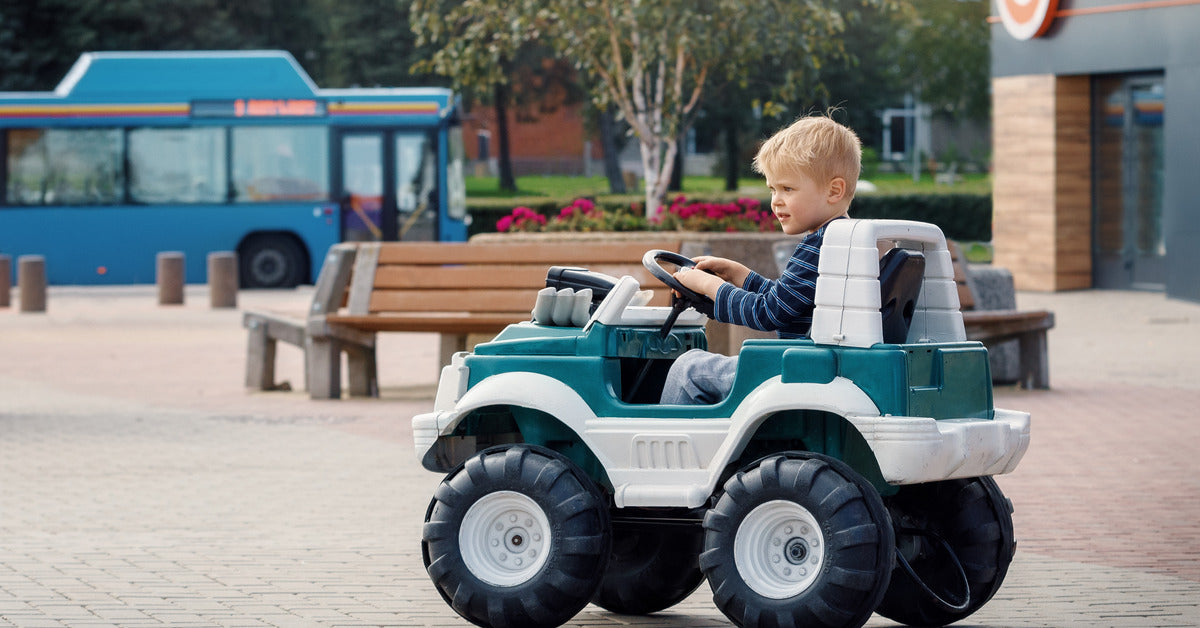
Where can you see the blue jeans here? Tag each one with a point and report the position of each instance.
(699, 377)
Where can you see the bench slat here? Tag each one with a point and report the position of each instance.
(966, 299)
(453, 300)
(548, 253)
(992, 326)
(472, 276)
(459, 277)
(444, 322)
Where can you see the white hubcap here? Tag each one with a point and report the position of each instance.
(504, 538)
(779, 549)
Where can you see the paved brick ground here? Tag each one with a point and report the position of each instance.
(140, 485)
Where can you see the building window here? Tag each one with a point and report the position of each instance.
(1127, 130)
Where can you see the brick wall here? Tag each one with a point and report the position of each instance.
(553, 143)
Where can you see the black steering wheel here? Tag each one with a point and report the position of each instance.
(683, 297)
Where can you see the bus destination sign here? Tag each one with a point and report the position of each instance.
(259, 108)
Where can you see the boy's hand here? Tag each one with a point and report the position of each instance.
(699, 281)
(727, 269)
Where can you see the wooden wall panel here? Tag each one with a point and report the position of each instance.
(1073, 183)
(1023, 184)
(1041, 223)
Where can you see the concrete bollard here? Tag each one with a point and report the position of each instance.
(31, 283)
(222, 279)
(5, 280)
(170, 278)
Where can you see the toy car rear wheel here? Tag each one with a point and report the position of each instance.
(974, 520)
(800, 539)
(516, 536)
(651, 568)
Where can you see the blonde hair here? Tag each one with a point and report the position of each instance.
(815, 146)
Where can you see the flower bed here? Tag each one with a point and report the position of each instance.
(742, 215)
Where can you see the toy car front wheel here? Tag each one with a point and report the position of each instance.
(652, 567)
(516, 536)
(801, 539)
(956, 536)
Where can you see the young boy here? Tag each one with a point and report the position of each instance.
(811, 168)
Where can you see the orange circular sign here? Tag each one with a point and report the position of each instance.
(1026, 19)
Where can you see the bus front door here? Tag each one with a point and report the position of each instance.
(387, 185)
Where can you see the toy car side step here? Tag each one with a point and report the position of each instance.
(619, 520)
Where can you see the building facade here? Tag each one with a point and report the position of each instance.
(1096, 143)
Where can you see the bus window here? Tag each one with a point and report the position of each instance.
(64, 167)
(280, 163)
(362, 186)
(177, 165)
(416, 180)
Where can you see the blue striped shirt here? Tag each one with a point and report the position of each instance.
(783, 305)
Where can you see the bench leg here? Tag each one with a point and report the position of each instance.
(450, 344)
(1035, 366)
(324, 359)
(363, 373)
(260, 359)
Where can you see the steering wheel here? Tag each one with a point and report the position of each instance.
(683, 297)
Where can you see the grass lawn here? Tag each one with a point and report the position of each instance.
(566, 188)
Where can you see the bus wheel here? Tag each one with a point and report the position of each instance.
(271, 261)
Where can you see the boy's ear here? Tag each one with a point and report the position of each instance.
(836, 190)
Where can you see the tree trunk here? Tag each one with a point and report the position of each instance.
(508, 182)
(677, 166)
(657, 167)
(732, 154)
(608, 144)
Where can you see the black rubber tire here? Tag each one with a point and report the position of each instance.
(576, 553)
(272, 261)
(858, 543)
(651, 568)
(975, 518)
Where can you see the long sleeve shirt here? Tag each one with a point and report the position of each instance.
(783, 305)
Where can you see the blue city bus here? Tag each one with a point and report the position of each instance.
(136, 153)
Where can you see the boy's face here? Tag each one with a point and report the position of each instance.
(801, 204)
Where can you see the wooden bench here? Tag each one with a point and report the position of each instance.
(455, 289)
(992, 327)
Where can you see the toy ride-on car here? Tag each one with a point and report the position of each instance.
(845, 474)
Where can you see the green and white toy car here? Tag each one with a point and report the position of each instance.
(845, 474)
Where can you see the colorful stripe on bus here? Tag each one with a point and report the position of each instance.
(95, 111)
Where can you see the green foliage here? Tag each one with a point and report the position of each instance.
(960, 216)
(947, 55)
(340, 43)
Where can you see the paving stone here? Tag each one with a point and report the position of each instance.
(141, 485)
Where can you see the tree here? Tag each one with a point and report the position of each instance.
(365, 43)
(53, 33)
(491, 56)
(654, 59)
(342, 43)
(947, 55)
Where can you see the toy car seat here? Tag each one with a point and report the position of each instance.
(901, 272)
